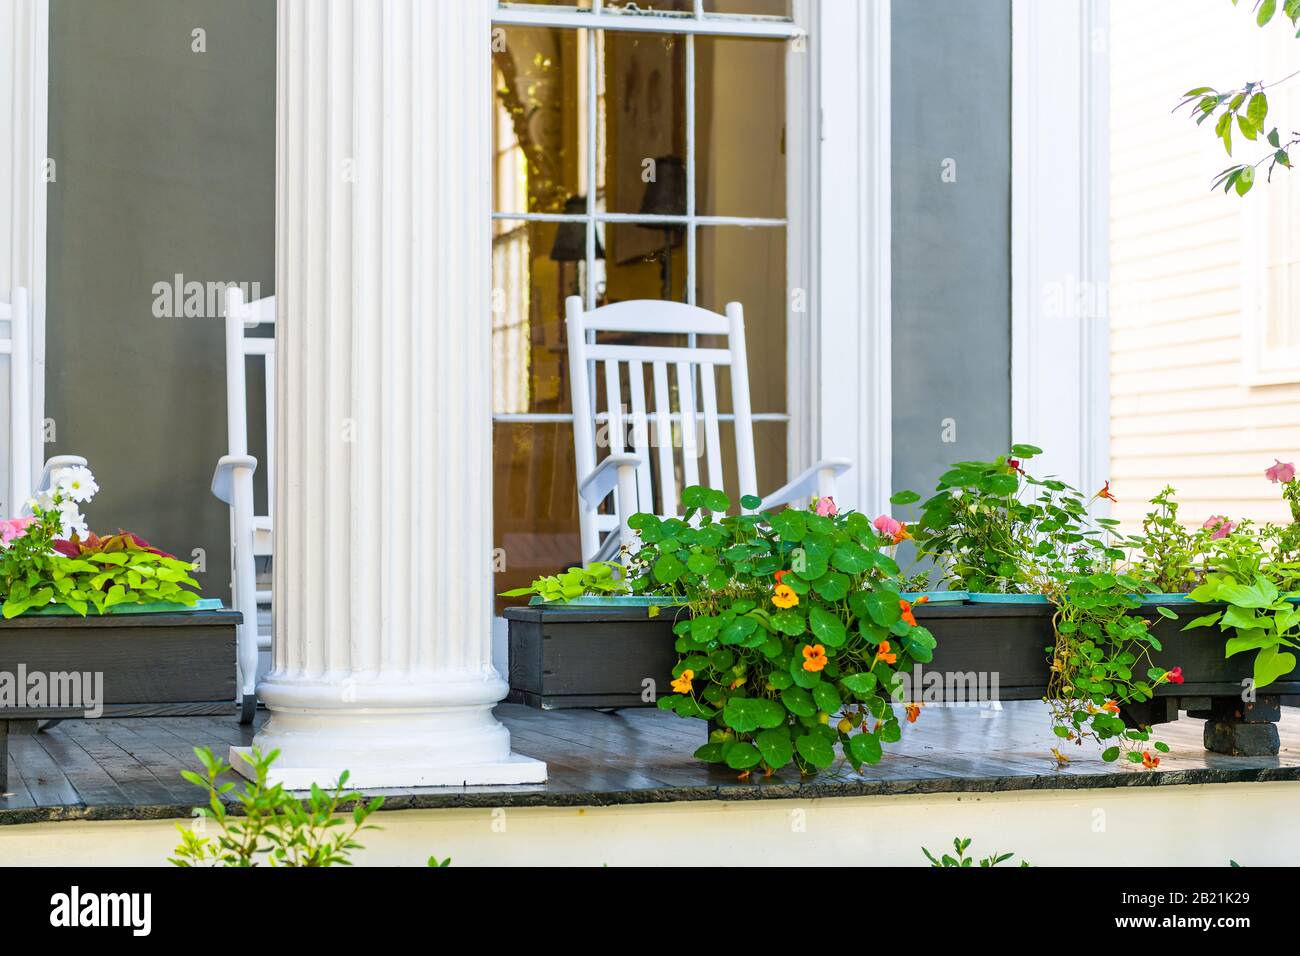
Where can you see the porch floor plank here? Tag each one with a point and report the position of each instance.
(129, 768)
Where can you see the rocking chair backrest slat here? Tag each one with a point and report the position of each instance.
(712, 443)
(678, 426)
(686, 405)
(640, 436)
(664, 441)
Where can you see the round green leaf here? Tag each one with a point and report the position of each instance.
(701, 563)
(851, 558)
(716, 500)
(668, 569)
(1110, 753)
(904, 498)
(742, 756)
(789, 621)
(750, 502)
(816, 749)
(775, 746)
(865, 747)
(798, 701)
(1026, 451)
(826, 697)
(826, 627)
(832, 586)
(711, 753)
(860, 685)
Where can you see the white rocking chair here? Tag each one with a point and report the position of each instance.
(232, 482)
(639, 478)
(25, 439)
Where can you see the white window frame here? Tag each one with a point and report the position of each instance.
(24, 58)
(1060, 240)
(838, 220)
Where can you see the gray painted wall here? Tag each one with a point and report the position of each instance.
(165, 164)
(951, 241)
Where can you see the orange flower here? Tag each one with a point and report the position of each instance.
(783, 596)
(683, 684)
(1111, 706)
(1149, 761)
(779, 576)
(1105, 493)
(883, 654)
(906, 609)
(738, 682)
(902, 534)
(913, 712)
(814, 658)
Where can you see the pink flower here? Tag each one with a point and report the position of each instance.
(1220, 525)
(14, 528)
(827, 508)
(1280, 472)
(887, 525)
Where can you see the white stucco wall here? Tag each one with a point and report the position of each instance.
(1162, 826)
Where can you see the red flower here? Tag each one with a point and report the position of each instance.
(1149, 761)
(1105, 493)
(1174, 675)
(1014, 465)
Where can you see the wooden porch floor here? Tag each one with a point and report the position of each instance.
(128, 768)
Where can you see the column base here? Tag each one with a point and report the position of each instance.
(427, 730)
(515, 769)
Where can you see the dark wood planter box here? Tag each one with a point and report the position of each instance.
(160, 664)
(588, 657)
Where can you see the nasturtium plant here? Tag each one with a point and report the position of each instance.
(796, 629)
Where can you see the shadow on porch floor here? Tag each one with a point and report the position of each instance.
(124, 768)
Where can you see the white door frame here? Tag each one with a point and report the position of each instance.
(851, 233)
(1060, 269)
(24, 63)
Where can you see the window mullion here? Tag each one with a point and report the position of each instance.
(690, 170)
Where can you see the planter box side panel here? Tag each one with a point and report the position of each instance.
(139, 664)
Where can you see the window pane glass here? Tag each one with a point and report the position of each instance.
(535, 266)
(538, 85)
(747, 265)
(535, 513)
(740, 127)
(641, 141)
(644, 261)
(762, 8)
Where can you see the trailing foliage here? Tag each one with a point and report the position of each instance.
(794, 617)
(993, 527)
(598, 578)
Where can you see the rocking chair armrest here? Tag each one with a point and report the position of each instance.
(596, 487)
(223, 477)
(817, 480)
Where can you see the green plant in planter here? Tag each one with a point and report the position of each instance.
(992, 527)
(1168, 556)
(599, 578)
(795, 617)
(50, 558)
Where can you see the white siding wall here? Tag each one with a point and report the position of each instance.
(1184, 410)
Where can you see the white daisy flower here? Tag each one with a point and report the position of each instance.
(76, 482)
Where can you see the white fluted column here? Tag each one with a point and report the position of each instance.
(382, 648)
